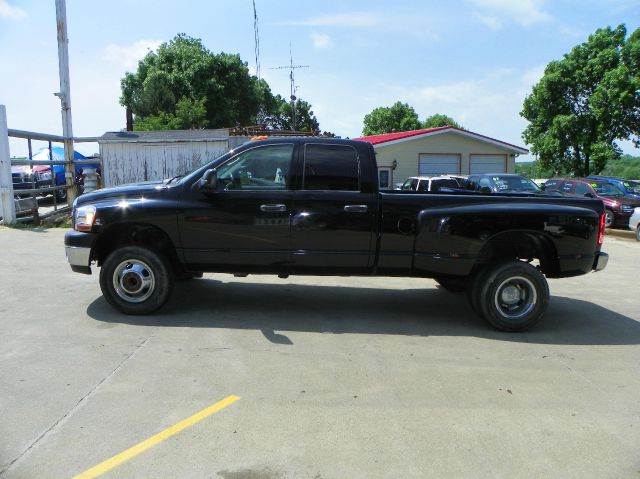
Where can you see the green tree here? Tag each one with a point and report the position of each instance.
(282, 117)
(189, 115)
(438, 120)
(172, 85)
(398, 117)
(586, 102)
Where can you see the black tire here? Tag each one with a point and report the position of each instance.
(61, 195)
(513, 296)
(455, 285)
(476, 281)
(638, 233)
(609, 218)
(136, 280)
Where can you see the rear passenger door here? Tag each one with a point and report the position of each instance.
(333, 216)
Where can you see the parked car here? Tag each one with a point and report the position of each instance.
(501, 183)
(57, 154)
(634, 222)
(25, 177)
(630, 188)
(618, 207)
(311, 206)
(430, 183)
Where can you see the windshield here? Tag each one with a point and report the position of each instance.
(517, 183)
(607, 189)
(632, 186)
(200, 169)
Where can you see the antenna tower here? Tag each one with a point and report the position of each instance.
(291, 67)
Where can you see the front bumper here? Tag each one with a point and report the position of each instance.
(601, 261)
(77, 247)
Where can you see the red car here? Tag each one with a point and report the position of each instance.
(618, 206)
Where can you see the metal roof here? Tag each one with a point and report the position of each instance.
(165, 136)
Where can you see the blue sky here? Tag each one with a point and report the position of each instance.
(474, 60)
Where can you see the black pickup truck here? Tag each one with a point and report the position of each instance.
(312, 206)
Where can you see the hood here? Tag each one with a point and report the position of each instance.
(146, 189)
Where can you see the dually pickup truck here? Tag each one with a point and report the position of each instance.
(311, 206)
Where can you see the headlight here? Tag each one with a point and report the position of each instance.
(44, 175)
(85, 218)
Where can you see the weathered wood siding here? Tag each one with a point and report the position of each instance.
(131, 162)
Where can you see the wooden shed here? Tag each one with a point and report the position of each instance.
(129, 157)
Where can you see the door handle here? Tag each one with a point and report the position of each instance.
(273, 208)
(356, 208)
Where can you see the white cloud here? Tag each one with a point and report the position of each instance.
(492, 22)
(321, 40)
(494, 13)
(354, 19)
(9, 12)
(127, 56)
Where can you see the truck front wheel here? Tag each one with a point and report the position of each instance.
(136, 280)
(512, 296)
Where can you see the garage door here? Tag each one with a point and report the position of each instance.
(439, 164)
(479, 164)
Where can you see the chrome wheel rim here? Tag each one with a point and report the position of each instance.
(515, 297)
(134, 281)
(608, 218)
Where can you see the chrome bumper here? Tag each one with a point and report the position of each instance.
(79, 258)
(601, 261)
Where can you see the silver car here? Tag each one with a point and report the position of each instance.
(634, 222)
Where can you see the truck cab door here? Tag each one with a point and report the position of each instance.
(334, 211)
(244, 223)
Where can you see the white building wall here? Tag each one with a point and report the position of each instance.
(131, 162)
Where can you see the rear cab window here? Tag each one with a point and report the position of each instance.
(331, 167)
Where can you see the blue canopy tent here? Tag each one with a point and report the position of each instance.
(57, 154)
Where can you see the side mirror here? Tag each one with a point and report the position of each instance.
(589, 195)
(485, 189)
(209, 180)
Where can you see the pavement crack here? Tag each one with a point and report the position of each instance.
(73, 409)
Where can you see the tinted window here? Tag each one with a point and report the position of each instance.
(607, 189)
(582, 189)
(516, 183)
(551, 185)
(424, 185)
(262, 168)
(437, 184)
(567, 187)
(331, 167)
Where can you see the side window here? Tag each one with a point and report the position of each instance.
(331, 167)
(424, 185)
(472, 183)
(485, 182)
(262, 168)
(406, 185)
(567, 187)
(551, 185)
(582, 189)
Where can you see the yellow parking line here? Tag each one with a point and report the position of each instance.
(132, 452)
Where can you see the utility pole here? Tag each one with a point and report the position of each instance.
(65, 98)
(291, 67)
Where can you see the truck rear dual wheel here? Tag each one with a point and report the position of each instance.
(511, 296)
(136, 280)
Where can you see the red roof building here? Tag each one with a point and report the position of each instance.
(438, 151)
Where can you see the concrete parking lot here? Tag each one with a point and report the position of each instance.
(337, 377)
